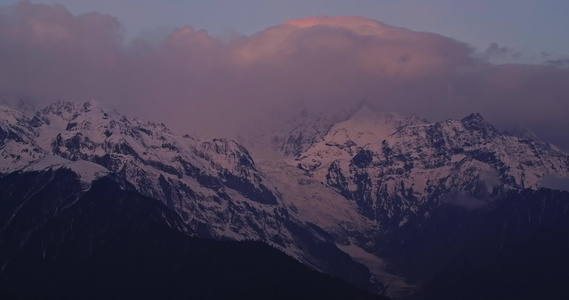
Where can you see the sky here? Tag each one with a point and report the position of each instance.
(212, 66)
(528, 27)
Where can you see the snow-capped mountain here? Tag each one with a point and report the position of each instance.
(345, 189)
(397, 167)
(213, 185)
(157, 162)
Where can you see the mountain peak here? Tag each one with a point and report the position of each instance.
(362, 105)
(415, 119)
(367, 111)
(363, 112)
(70, 110)
(477, 117)
(475, 122)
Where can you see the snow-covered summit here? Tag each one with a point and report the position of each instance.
(214, 185)
(394, 165)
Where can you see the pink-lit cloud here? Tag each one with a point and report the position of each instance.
(198, 83)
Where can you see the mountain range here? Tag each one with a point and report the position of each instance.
(394, 205)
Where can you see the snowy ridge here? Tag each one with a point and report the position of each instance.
(159, 163)
(214, 185)
(396, 167)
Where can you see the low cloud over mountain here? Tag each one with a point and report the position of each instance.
(193, 81)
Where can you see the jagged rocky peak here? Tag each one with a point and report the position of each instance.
(65, 115)
(414, 120)
(475, 122)
(90, 128)
(68, 110)
(90, 114)
(91, 131)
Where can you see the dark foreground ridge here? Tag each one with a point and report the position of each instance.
(111, 243)
(514, 248)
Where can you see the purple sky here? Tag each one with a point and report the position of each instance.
(216, 80)
(529, 27)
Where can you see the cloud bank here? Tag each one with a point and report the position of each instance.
(201, 84)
